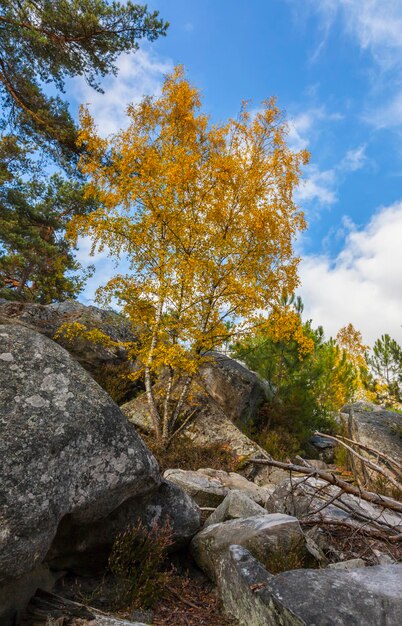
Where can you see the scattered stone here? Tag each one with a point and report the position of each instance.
(303, 496)
(144, 616)
(383, 558)
(232, 480)
(236, 505)
(207, 492)
(209, 487)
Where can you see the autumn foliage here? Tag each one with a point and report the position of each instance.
(204, 214)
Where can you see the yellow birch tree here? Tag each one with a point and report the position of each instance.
(351, 343)
(204, 214)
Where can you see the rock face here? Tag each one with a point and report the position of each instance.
(209, 427)
(357, 597)
(268, 538)
(65, 447)
(212, 426)
(324, 447)
(237, 391)
(101, 361)
(376, 427)
(209, 487)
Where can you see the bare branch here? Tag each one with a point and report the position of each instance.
(374, 498)
(365, 460)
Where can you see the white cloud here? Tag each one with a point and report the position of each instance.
(363, 284)
(318, 186)
(387, 116)
(303, 126)
(139, 74)
(354, 159)
(376, 27)
(299, 128)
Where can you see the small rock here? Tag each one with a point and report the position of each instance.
(383, 558)
(236, 505)
(350, 564)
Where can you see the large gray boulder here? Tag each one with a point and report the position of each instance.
(67, 452)
(107, 361)
(237, 391)
(376, 427)
(357, 597)
(270, 538)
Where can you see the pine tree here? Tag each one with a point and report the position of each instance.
(42, 43)
(386, 364)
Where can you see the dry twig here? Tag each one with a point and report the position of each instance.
(365, 460)
(369, 496)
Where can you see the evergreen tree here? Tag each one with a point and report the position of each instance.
(47, 41)
(307, 387)
(386, 363)
(43, 42)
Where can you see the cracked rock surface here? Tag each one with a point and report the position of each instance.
(65, 448)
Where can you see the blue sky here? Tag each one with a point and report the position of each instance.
(335, 67)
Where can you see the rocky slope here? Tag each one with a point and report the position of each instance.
(74, 473)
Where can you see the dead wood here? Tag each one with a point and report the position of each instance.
(367, 462)
(332, 479)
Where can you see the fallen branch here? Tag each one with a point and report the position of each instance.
(182, 598)
(362, 530)
(386, 459)
(328, 502)
(374, 498)
(365, 460)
